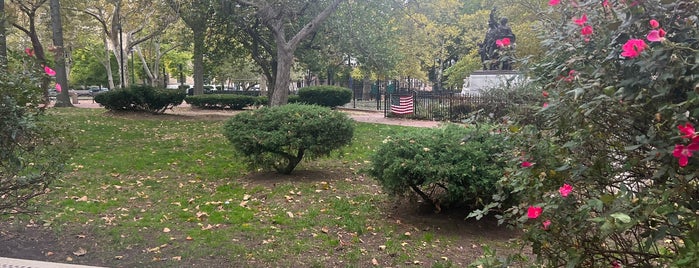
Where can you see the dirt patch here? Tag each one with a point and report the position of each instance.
(26, 243)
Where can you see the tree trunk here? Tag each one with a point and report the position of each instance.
(152, 75)
(198, 60)
(120, 42)
(285, 49)
(107, 62)
(285, 59)
(62, 100)
(293, 161)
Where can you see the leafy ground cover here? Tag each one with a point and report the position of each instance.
(163, 191)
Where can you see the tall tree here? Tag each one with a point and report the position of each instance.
(279, 18)
(195, 14)
(368, 39)
(128, 24)
(62, 100)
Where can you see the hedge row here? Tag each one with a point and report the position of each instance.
(328, 96)
(141, 98)
(224, 101)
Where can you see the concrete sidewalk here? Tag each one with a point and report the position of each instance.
(19, 263)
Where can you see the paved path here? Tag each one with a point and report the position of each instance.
(358, 115)
(19, 263)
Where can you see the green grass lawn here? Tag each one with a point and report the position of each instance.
(163, 191)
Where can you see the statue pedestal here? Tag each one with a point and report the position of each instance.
(479, 81)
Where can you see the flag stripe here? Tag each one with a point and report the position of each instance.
(405, 105)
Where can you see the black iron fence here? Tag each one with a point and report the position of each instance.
(444, 106)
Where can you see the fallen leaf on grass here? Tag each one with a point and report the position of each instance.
(177, 258)
(202, 215)
(69, 259)
(189, 238)
(374, 262)
(81, 236)
(49, 253)
(291, 215)
(246, 197)
(325, 230)
(80, 252)
(166, 230)
(118, 257)
(82, 199)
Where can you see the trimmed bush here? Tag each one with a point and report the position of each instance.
(280, 137)
(328, 96)
(261, 100)
(141, 98)
(453, 165)
(221, 101)
(294, 99)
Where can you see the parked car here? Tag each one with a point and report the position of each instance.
(94, 90)
(81, 92)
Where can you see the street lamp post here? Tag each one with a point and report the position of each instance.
(121, 56)
(133, 71)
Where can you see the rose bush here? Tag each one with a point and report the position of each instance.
(605, 172)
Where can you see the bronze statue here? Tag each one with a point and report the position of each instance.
(492, 45)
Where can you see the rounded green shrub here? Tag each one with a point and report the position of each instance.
(453, 165)
(141, 98)
(328, 96)
(280, 137)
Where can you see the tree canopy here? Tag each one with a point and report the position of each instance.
(266, 41)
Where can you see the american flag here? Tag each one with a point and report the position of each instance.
(404, 105)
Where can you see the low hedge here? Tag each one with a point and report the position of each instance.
(328, 96)
(141, 98)
(224, 101)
